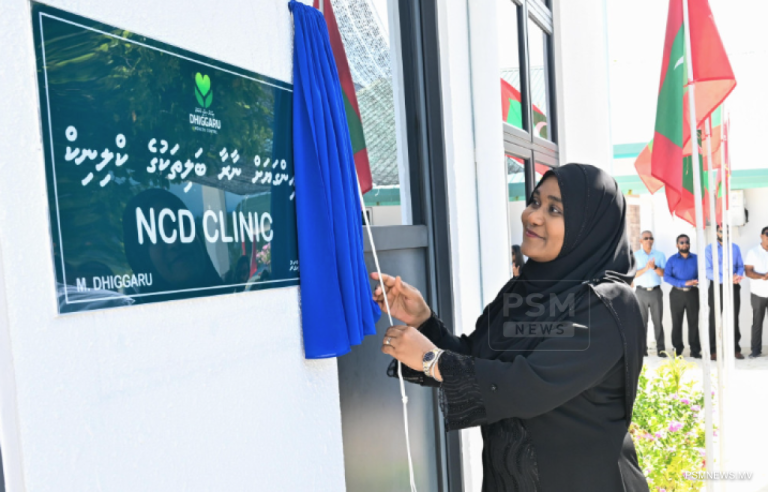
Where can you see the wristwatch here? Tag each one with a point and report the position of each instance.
(429, 359)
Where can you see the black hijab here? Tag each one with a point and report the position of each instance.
(595, 250)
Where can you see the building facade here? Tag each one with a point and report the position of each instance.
(215, 393)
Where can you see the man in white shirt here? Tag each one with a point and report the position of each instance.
(756, 268)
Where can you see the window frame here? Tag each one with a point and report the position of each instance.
(518, 141)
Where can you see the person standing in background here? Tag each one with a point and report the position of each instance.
(756, 268)
(517, 260)
(682, 272)
(648, 287)
(738, 275)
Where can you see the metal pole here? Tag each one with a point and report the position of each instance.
(728, 320)
(725, 166)
(716, 275)
(700, 243)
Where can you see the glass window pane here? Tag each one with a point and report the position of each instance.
(509, 63)
(516, 203)
(539, 170)
(515, 176)
(538, 42)
(378, 134)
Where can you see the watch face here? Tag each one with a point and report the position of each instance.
(429, 356)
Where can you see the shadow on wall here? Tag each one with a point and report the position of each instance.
(2, 477)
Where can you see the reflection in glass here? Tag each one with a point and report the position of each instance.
(539, 69)
(168, 266)
(539, 170)
(509, 63)
(515, 169)
(517, 200)
(365, 30)
(162, 183)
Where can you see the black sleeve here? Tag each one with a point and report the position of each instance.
(435, 330)
(460, 398)
(412, 376)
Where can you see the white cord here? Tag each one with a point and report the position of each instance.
(391, 322)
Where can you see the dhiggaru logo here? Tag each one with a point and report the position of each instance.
(203, 91)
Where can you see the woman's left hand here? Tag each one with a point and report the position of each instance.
(407, 344)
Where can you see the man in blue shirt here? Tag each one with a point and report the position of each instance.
(682, 272)
(738, 275)
(648, 283)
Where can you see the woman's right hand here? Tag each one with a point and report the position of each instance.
(405, 301)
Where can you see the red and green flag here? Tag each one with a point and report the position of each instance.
(713, 80)
(686, 206)
(643, 168)
(512, 110)
(720, 129)
(716, 139)
(354, 120)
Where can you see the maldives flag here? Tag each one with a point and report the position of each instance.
(643, 168)
(716, 139)
(713, 80)
(512, 110)
(352, 110)
(685, 207)
(643, 161)
(720, 135)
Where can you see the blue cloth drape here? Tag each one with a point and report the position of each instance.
(337, 308)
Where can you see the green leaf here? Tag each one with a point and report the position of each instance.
(199, 98)
(203, 83)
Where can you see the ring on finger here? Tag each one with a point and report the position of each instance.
(388, 341)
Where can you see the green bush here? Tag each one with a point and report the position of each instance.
(668, 427)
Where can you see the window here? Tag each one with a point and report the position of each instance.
(525, 42)
(509, 63)
(369, 31)
(538, 42)
(516, 178)
(525, 38)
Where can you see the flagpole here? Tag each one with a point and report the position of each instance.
(701, 245)
(725, 168)
(716, 275)
(728, 341)
(715, 254)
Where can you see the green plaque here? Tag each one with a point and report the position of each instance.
(170, 175)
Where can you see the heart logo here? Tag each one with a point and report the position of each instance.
(203, 90)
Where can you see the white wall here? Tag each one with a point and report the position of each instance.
(387, 215)
(462, 195)
(583, 84)
(208, 394)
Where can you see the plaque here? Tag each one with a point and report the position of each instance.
(169, 174)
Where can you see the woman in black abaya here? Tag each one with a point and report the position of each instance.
(553, 406)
